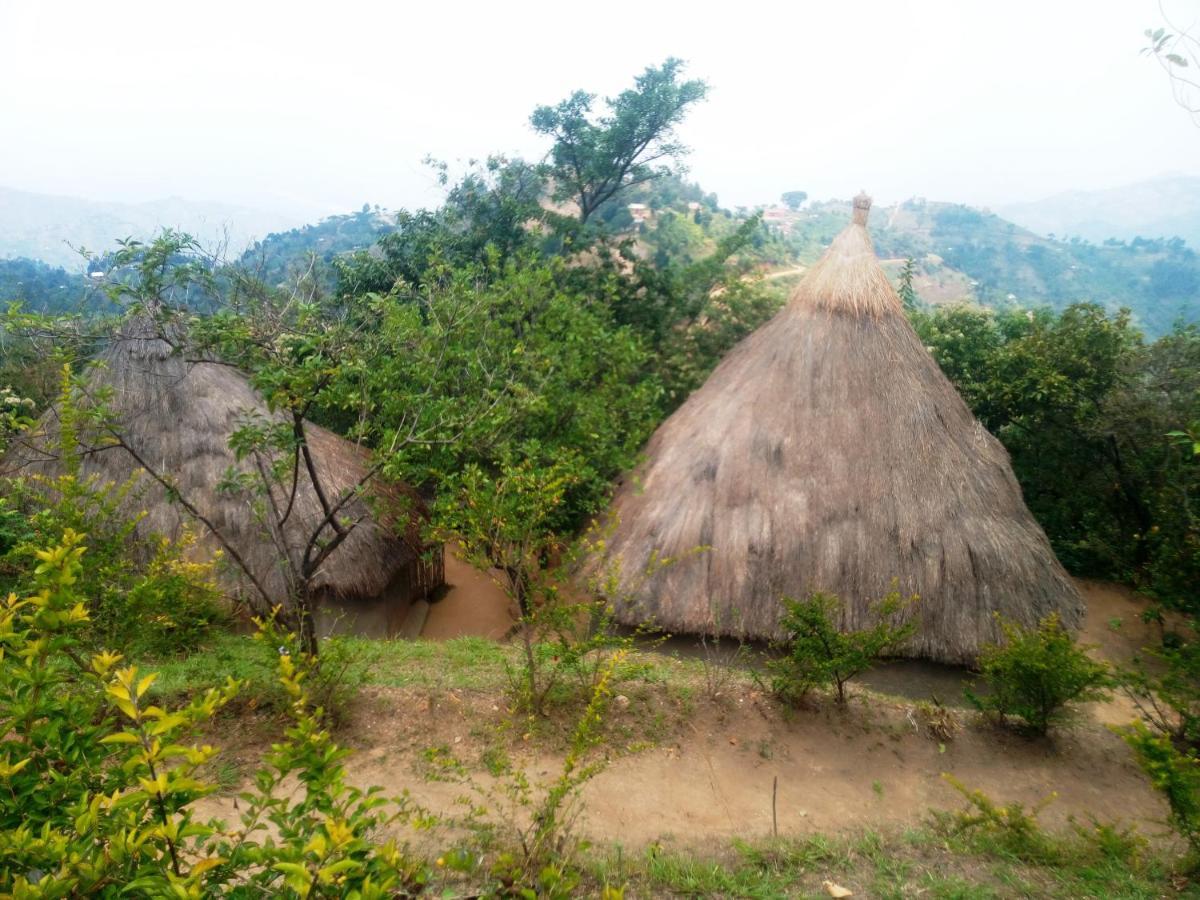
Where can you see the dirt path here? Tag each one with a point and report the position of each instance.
(472, 604)
(711, 777)
(836, 771)
(790, 272)
(691, 770)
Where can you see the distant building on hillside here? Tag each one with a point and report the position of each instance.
(779, 217)
(640, 212)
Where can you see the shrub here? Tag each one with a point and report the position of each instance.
(16, 414)
(100, 785)
(1175, 774)
(1014, 830)
(542, 854)
(1010, 828)
(145, 596)
(332, 679)
(816, 654)
(1037, 673)
(504, 525)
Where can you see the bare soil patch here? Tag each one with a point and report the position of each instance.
(686, 769)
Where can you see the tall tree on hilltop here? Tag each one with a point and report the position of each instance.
(594, 159)
(794, 199)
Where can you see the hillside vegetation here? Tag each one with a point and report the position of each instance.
(39, 286)
(964, 253)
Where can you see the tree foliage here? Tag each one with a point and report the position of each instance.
(794, 199)
(1085, 407)
(595, 158)
(1174, 773)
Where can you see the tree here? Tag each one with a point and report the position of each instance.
(595, 159)
(908, 294)
(489, 210)
(794, 199)
(304, 354)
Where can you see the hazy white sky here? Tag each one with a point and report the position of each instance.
(316, 108)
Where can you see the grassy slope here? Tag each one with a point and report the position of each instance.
(936, 859)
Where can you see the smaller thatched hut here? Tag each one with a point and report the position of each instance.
(177, 416)
(828, 452)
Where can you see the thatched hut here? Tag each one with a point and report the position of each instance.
(828, 452)
(177, 416)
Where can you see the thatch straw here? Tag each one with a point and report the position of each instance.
(828, 452)
(177, 415)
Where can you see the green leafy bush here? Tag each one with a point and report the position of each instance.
(147, 597)
(541, 853)
(100, 784)
(1037, 673)
(1085, 407)
(816, 654)
(505, 524)
(1011, 828)
(15, 415)
(1174, 773)
(332, 679)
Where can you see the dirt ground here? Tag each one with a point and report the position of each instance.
(690, 770)
(472, 604)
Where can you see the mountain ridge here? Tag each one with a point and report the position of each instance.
(46, 227)
(1164, 207)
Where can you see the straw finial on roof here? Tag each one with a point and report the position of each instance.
(862, 206)
(848, 279)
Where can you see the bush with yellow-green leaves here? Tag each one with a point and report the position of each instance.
(98, 785)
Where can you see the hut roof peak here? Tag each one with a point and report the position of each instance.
(848, 278)
(862, 208)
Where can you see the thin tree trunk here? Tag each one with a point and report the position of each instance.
(306, 626)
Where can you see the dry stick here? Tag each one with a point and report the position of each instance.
(774, 817)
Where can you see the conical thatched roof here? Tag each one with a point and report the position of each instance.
(828, 452)
(178, 416)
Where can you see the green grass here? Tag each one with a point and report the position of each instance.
(914, 863)
(465, 663)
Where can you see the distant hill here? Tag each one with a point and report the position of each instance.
(43, 288)
(42, 226)
(286, 254)
(1163, 207)
(964, 253)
